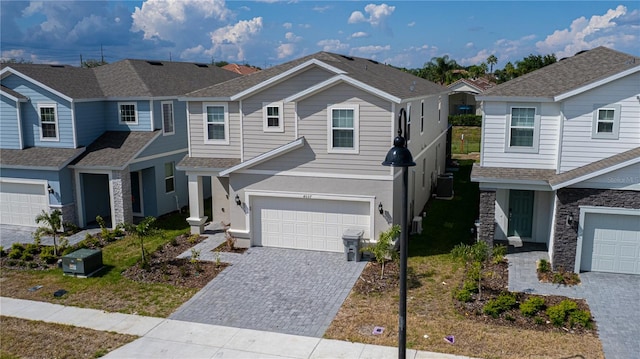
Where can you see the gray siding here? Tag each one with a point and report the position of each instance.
(169, 143)
(90, 121)
(9, 129)
(196, 128)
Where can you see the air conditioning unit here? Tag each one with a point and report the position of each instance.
(416, 225)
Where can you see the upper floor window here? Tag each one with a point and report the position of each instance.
(273, 119)
(606, 122)
(128, 112)
(48, 122)
(343, 129)
(523, 129)
(167, 118)
(169, 177)
(407, 135)
(216, 122)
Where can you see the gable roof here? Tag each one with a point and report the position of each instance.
(126, 78)
(479, 85)
(45, 158)
(568, 75)
(384, 78)
(14, 95)
(115, 149)
(240, 69)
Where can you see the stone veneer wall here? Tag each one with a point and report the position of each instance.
(487, 217)
(121, 185)
(68, 213)
(569, 201)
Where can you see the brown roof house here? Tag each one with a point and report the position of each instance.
(560, 162)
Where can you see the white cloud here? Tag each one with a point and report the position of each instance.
(469, 45)
(331, 45)
(377, 14)
(287, 25)
(304, 26)
(477, 59)
(192, 52)
(231, 40)
(33, 8)
(285, 50)
(321, 9)
(366, 51)
(163, 19)
(411, 24)
(359, 34)
(584, 34)
(291, 37)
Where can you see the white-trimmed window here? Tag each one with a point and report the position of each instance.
(523, 129)
(168, 125)
(606, 122)
(128, 112)
(407, 136)
(343, 129)
(216, 123)
(48, 122)
(169, 177)
(422, 118)
(273, 117)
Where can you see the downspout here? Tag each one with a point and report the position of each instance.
(241, 114)
(73, 124)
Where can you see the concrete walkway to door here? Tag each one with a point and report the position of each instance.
(278, 290)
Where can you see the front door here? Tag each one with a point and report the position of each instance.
(136, 193)
(520, 213)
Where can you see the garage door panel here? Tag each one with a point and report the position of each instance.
(611, 243)
(21, 203)
(314, 224)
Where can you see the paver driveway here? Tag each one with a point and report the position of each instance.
(278, 290)
(612, 298)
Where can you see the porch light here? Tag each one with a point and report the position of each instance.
(380, 209)
(238, 202)
(570, 219)
(400, 156)
(50, 189)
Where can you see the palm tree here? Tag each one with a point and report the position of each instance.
(141, 231)
(52, 225)
(492, 60)
(442, 69)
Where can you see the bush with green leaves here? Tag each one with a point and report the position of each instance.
(532, 306)
(16, 251)
(499, 251)
(544, 266)
(47, 255)
(465, 120)
(500, 304)
(383, 250)
(559, 313)
(582, 318)
(463, 295)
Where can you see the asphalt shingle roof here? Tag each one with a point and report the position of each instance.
(566, 75)
(207, 163)
(13, 93)
(383, 77)
(74, 82)
(114, 149)
(42, 157)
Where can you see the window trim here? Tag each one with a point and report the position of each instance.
(135, 113)
(265, 122)
(56, 123)
(172, 177)
(421, 117)
(205, 134)
(356, 124)
(615, 133)
(173, 122)
(536, 129)
(407, 135)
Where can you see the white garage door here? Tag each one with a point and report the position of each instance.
(20, 203)
(611, 243)
(306, 223)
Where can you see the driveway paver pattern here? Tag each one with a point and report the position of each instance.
(278, 290)
(612, 298)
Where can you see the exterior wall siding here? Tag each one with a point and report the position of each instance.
(196, 128)
(112, 116)
(627, 178)
(9, 127)
(577, 133)
(568, 202)
(90, 121)
(60, 181)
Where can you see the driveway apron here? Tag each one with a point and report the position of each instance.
(279, 290)
(612, 298)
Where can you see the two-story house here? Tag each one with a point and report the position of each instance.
(560, 161)
(293, 153)
(95, 141)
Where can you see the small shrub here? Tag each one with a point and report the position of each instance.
(465, 120)
(582, 318)
(2, 253)
(499, 305)
(47, 255)
(544, 266)
(499, 251)
(532, 306)
(470, 286)
(26, 256)
(463, 295)
(33, 265)
(12, 262)
(539, 320)
(509, 317)
(193, 238)
(16, 251)
(558, 313)
(174, 241)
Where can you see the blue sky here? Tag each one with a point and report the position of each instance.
(267, 33)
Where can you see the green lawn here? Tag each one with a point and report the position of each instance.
(471, 141)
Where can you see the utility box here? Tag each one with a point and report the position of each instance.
(351, 239)
(82, 263)
(445, 186)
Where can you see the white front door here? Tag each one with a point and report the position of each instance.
(611, 243)
(306, 223)
(20, 203)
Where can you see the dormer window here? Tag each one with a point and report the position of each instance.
(273, 117)
(606, 122)
(48, 122)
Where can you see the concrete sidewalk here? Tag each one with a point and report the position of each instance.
(166, 338)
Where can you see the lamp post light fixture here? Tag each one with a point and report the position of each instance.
(400, 156)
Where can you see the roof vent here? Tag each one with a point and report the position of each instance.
(347, 57)
(155, 63)
(373, 61)
(57, 66)
(202, 65)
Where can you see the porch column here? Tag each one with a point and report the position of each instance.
(121, 210)
(487, 216)
(196, 205)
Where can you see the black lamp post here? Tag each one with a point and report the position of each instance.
(400, 156)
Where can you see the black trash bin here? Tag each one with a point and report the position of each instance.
(351, 239)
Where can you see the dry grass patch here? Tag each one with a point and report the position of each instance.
(23, 338)
(431, 312)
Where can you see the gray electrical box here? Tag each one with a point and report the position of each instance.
(82, 263)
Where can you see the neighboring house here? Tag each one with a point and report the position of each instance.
(462, 95)
(560, 161)
(293, 153)
(240, 69)
(101, 141)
